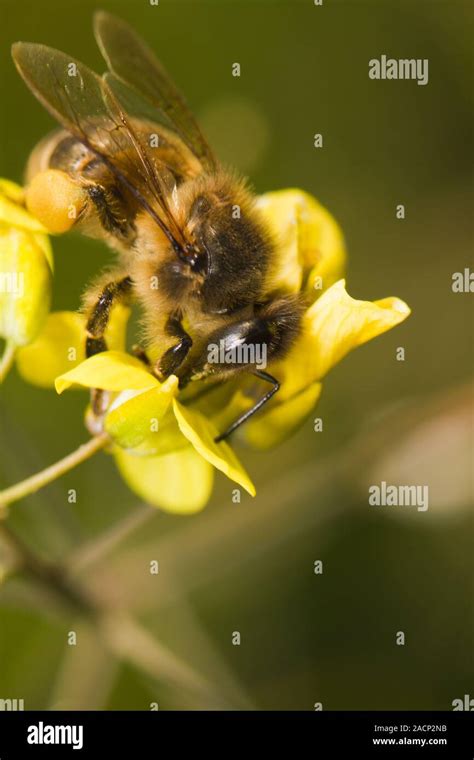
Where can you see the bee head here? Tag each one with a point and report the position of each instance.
(229, 246)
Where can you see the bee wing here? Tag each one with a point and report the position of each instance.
(130, 60)
(85, 105)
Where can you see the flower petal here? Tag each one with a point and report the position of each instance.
(201, 433)
(333, 326)
(60, 346)
(131, 422)
(14, 215)
(239, 403)
(45, 244)
(12, 191)
(109, 370)
(167, 439)
(26, 285)
(310, 243)
(279, 210)
(116, 332)
(179, 482)
(323, 247)
(269, 428)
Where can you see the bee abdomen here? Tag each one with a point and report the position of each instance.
(58, 150)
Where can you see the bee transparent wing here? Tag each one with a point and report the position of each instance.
(131, 61)
(84, 104)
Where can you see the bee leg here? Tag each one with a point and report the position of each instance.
(141, 354)
(173, 358)
(258, 405)
(96, 327)
(100, 314)
(249, 345)
(109, 210)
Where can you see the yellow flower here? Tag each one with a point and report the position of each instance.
(26, 266)
(154, 433)
(61, 345)
(163, 441)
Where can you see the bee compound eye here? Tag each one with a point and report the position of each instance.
(201, 205)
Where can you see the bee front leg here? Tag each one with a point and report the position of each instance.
(249, 345)
(173, 358)
(100, 313)
(96, 326)
(258, 404)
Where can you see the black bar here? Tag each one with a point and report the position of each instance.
(148, 734)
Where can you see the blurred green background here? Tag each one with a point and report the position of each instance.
(248, 567)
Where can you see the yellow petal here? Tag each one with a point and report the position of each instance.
(12, 191)
(333, 326)
(223, 416)
(45, 244)
(201, 433)
(323, 247)
(280, 212)
(167, 439)
(25, 287)
(271, 427)
(131, 422)
(111, 371)
(310, 249)
(14, 215)
(180, 482)
(116, 332)
(60, 346)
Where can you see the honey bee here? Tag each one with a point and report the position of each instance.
(131, 166)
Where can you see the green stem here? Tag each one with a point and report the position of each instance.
(41, 479)
(6, 361)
